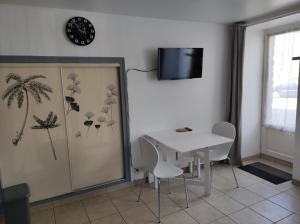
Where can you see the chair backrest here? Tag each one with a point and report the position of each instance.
(225, 129)
(149, 154)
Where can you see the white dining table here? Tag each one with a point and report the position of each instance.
(191, 141)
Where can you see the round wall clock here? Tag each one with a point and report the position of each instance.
(80, 31)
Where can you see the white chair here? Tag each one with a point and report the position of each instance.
(158, 168)
(221, 152)
(180, 158)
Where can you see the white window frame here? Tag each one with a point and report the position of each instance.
(265, 79)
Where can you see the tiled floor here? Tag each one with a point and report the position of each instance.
(255, 202)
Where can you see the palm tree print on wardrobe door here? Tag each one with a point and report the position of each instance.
(48, 123)
(20, 90)
(32, 161)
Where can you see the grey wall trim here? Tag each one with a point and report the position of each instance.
(123, 93)
(54, 59)
(287, 11)
(125, 119)
(76, 193)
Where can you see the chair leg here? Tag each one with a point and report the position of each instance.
(158, 198)
(211, 170)
(186, 193)
(141, 189)
(237, 185)
(169, 185)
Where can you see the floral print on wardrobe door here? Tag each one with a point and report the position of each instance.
(109, 102)
(95, 132)
(73, 88)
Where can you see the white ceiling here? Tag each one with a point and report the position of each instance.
(219, 11)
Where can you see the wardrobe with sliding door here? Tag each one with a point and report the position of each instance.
(63, 124)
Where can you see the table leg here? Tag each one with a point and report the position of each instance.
(198, 168)
(191, 167)
(207, 172)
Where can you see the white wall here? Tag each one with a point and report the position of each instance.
(153, 105)
(278, 144)
(251, 103)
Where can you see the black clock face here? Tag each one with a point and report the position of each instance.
(80, 31)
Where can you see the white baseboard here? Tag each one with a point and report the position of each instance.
(278, 155)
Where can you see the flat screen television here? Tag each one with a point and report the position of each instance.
(179, 63)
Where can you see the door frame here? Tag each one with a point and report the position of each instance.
(265, 85)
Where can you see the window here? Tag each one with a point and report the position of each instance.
(282, 81)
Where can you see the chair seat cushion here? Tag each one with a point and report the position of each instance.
(215, 155)
(167, 170)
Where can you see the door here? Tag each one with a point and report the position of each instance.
(280, 87)
(93, 121)
(33, 147)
